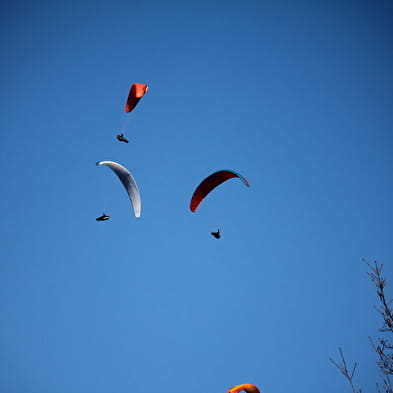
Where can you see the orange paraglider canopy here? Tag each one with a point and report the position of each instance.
(247, 387)
(137, 91)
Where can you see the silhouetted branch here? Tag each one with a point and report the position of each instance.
(380, 283)
(383, 348)
(344, 370)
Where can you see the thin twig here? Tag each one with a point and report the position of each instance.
(383, 349)
(344, 370)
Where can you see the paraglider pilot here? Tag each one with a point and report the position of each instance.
(120, 137)
(216, 234)
(104, 217)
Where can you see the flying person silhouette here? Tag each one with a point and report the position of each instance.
(216, 234)
(104, 217)
(120, 137)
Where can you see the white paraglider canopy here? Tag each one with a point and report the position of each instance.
(128, 182)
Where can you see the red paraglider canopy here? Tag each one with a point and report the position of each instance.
(247, 387)
(210, 183)
(137, 91)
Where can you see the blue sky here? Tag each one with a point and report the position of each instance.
(295, 96)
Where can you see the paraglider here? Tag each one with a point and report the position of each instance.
(211, 182)
(137, 91)
(247, 387)
(128, 182)
(217, 234)
(104, 217)
(120, 137)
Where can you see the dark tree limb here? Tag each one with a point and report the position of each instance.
(345, 371)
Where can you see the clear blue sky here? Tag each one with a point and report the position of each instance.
(294, 95)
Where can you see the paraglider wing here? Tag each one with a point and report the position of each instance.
(247, 387)
(137, 91)
(128, 182)
(210, 183)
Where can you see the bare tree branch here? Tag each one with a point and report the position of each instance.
(344, 370)
(383, 348)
